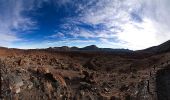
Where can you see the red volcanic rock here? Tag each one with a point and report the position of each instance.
(67, 75)
(43, 70)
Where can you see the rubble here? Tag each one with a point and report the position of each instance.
(15, 83)
(82, 76)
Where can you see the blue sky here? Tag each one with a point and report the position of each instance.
(132, 24)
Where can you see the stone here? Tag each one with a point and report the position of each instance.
(43, 70)
(84, 85)
(30, 85)
(60, 79)
(17, 90)
(15, 83)
(106, 89)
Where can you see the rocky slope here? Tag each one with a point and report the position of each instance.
(56, 75)
(162, 48)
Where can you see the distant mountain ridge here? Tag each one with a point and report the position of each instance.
(88, 48)
(162, 48)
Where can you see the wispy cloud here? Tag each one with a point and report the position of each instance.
(57, 35)
(137, 23)
(134, 24)
(12, 20)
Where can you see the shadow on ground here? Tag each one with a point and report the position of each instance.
(163, 84)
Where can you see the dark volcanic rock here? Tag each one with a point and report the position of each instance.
(163, 84)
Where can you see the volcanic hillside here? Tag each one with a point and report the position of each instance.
(50, 74)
